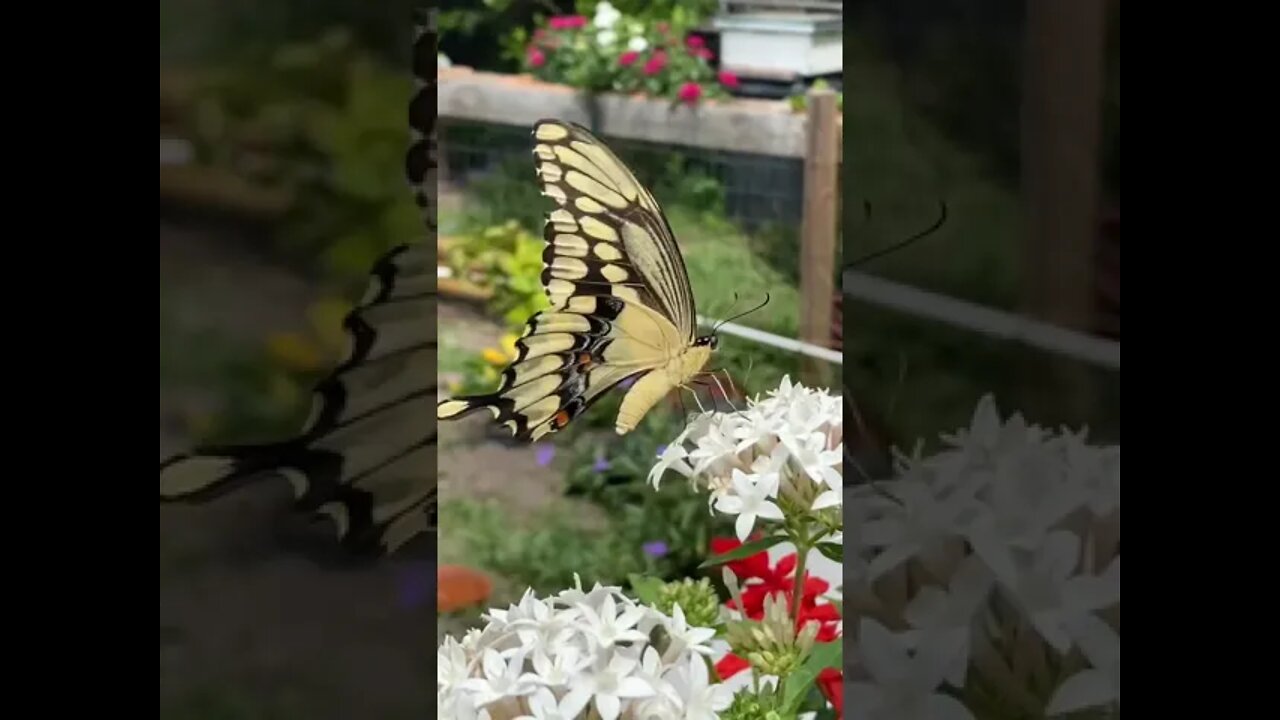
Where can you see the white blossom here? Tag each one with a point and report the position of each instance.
(750, 500)
(1007, 528)
(902, 686)
(606, 15)
(794, 433)
(600, 665)
(637, 44)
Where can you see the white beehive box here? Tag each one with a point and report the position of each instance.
(781, 44)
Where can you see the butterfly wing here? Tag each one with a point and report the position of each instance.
(621, 304)
(367, 455)
(608, 235)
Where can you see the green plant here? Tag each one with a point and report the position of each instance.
(613, 473)
(800, 101)
(506, 259)
(323, 121)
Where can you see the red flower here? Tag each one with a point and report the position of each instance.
(689, 92)
(628, 58)
(655, 64)
(780, 578)
(730, 665)
(694, 42)
(728, 79)
(756, 566)
(535, 57)
(831, 683)
(567, 22)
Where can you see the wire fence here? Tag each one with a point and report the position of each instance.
(755, 191)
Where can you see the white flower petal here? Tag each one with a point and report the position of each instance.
(1085, 689)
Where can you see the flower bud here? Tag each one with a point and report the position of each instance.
(697, 599)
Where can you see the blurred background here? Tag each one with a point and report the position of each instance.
(283, 131)
(1009, 112)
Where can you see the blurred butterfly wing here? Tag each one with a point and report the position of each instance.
(366, 456)
(619, 292)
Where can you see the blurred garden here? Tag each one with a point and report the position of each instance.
(283, 132)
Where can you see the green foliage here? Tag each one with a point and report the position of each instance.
(324, 121)
(545, 552)
(800, 101)
(613, 473)
(506, 259)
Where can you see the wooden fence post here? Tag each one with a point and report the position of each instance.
(818, 228)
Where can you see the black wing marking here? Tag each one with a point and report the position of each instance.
(367, 454)
(608, 235)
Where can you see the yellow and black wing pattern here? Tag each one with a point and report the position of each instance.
(621, 303)
(367, 455)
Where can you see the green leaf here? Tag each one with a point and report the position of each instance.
(832, 551)
(743, 551)
(824, 655)
(647, 589)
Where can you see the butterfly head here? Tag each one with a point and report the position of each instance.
(710, 342)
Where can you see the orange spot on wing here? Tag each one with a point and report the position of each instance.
(561, 419)
(458, 587)
(584, 358)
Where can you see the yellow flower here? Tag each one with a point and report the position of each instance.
(326, 318)
(493, 356)
(294, 352)
(509, 344)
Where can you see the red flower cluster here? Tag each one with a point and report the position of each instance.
(759, 582)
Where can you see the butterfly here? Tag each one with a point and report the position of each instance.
(367, 455)
(621, 304)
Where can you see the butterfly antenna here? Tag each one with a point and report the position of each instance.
(942, 219)
(741, 314)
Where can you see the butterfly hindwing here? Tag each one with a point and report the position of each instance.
(366, 456)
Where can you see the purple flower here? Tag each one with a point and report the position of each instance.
(546, 453)
(655, 549)
(626, 384)
(601, 463)
(415, 583)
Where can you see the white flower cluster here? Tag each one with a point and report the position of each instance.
(576, 655)
(787, 446)
(1016, 533)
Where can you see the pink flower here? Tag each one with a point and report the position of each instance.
(567, 22)
(535, 57)
(628, 58)
(693, 42)
(728, 79)
(655, 64)
(689, 92)
(703, 53)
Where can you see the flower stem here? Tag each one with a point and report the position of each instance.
(802, 554)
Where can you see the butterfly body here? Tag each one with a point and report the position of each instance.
(621, 304)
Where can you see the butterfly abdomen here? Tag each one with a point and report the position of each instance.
(651, 388)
